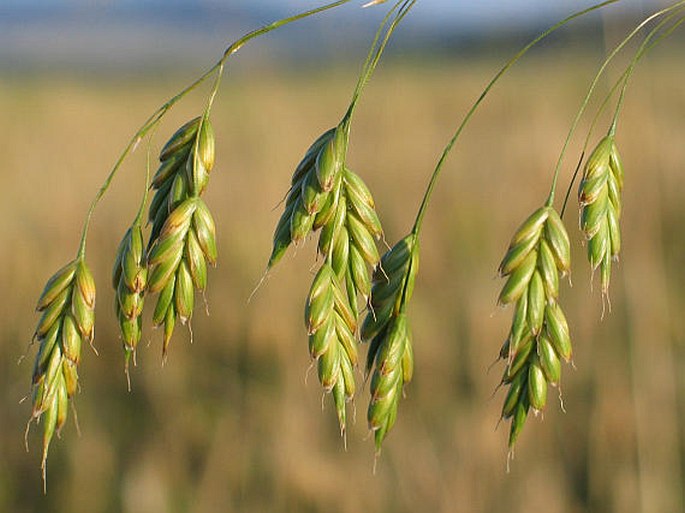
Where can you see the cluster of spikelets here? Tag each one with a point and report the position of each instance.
(539, 253)
(67, 307)
(325, 195)
(174, 263)
(386, 328)
(599, 196)
(181, 244)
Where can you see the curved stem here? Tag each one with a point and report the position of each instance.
(401, 9)
(156, 116)
(586, 100)
(143, 202)
(643, 48)
(472, 110)
(648, 43)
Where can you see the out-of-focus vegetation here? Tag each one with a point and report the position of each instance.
(230, 423)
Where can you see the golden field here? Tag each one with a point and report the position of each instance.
(232, 423)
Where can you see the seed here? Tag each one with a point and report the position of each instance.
(282, 239)
(363, 240)
(51, 313)
(184, 294)
(517, 385)
(330, 159)
(195, 259)
(183, 137)
(537, 385)
(549, 272)
(313, 197)
(56, 285)
(163, 301)
(531, 227)
(520, 359)
(549, 360)
(341, 252)
(321, 339)
(518, 324)
(557, 329)
(536, 303)
(162, 272)
(558, 241)
(518, 420)
(516, 255)
(518, 280)
(321, 300)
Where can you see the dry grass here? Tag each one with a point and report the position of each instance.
(229, 424)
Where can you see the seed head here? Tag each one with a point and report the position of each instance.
(539, 253)
(600, 199)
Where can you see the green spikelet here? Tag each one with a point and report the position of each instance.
(183, 237)
(600, 199)
(390, 358)
(129, 278)
(539, 253)
(67, 304)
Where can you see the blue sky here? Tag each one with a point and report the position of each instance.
(56, 32)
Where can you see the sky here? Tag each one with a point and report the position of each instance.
(68, 32)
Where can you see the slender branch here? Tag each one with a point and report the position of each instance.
(401, 8)
(648, 43)
(586, 100)
(156, 116)
(474, 107)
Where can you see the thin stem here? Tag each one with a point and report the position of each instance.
(469, 114)
(645, 47)
(376, 51)
(156, 116)
(586, 100)
(141, 209)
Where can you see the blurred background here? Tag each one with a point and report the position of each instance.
(231, 423)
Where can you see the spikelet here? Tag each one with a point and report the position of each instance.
(538, 255)
(599, 196)
(326, 196)
(67, 306)
(129, 279)
(390, 359)
(331, 326)
(183, 237)
(310, 201)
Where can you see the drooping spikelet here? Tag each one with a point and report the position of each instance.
(310, 201)
(350, 236)
(326, 196)
(67, 320)
(183, 238)
(391, 356)
(331, 326)
(129, 279)
(539, 253)
(599, 196)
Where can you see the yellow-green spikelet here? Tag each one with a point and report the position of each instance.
(67, 307)
(600, 199)
(538, 254)
(129, 279)
(331, 326)
(183, 237)
(390, 358)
